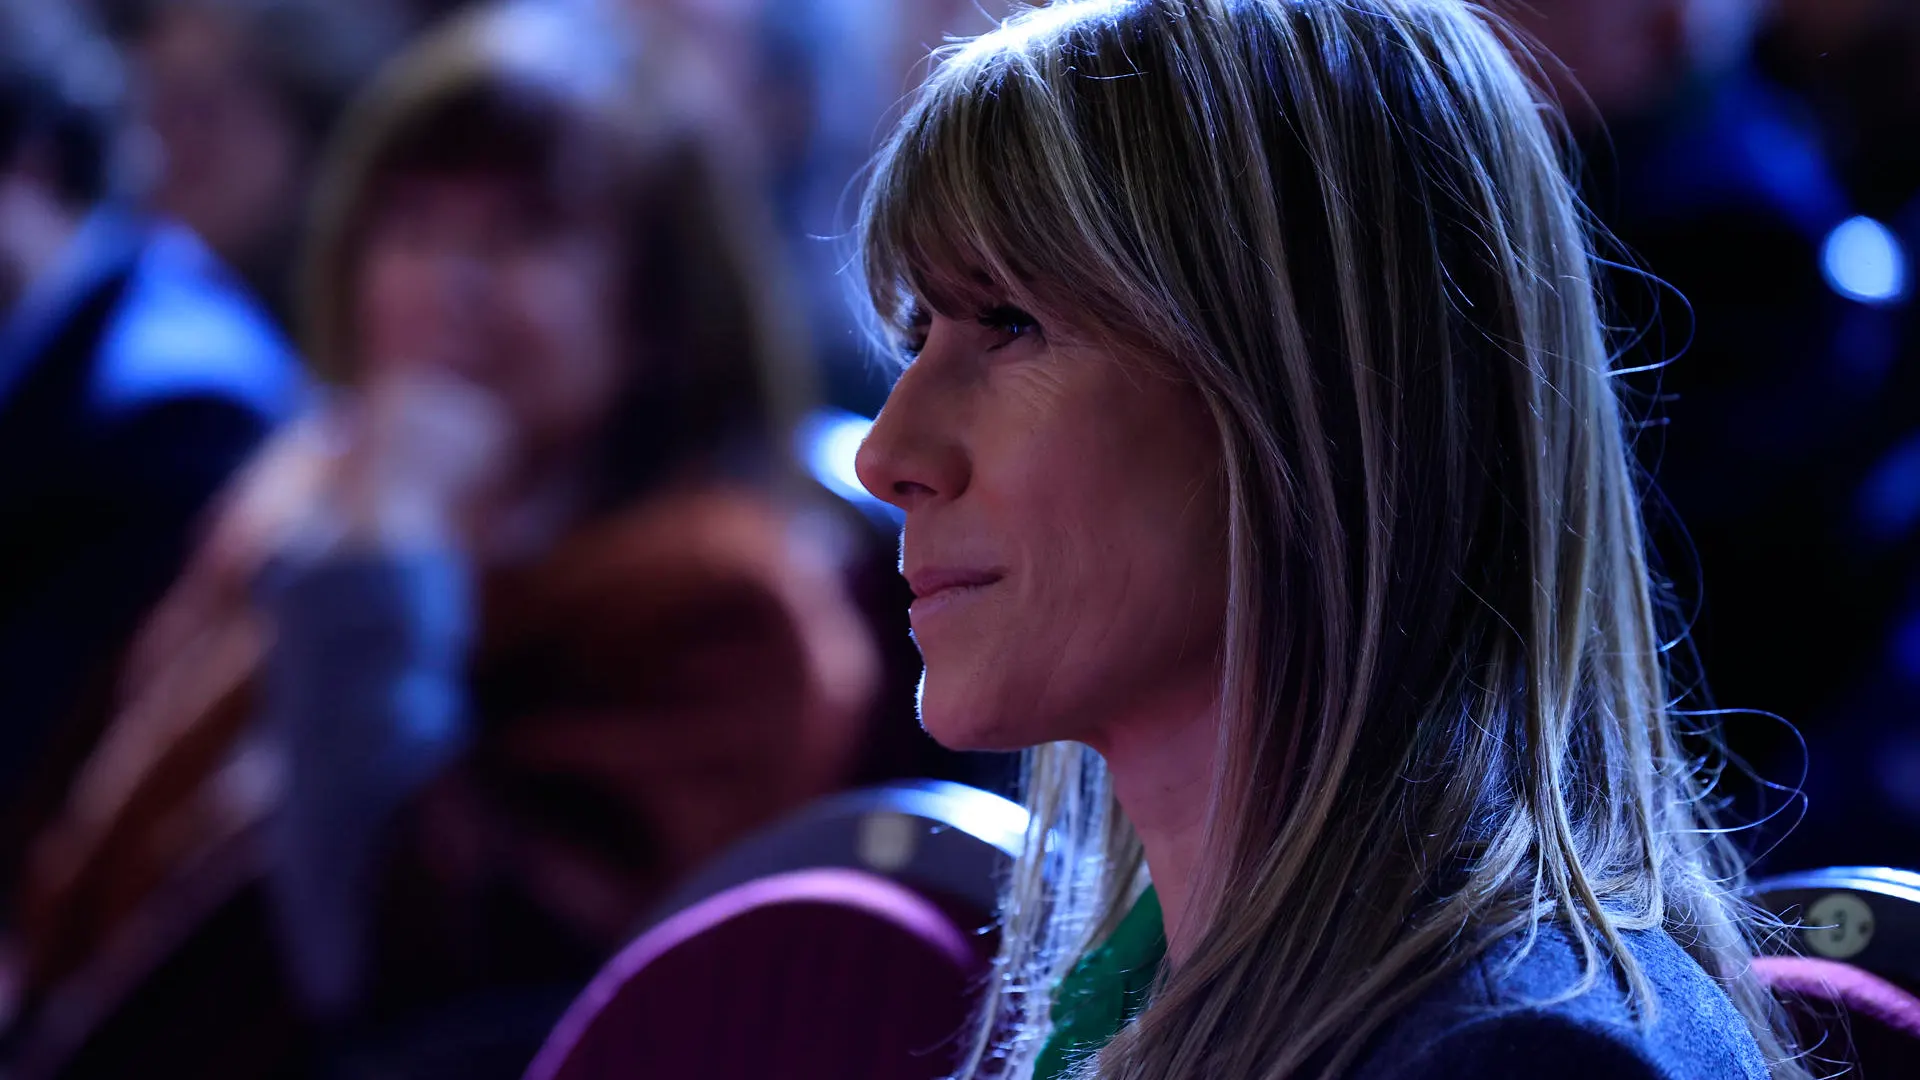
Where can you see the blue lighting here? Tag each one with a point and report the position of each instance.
(1862, 260)
(1906, 648)
(1889, 499)
(829, 439)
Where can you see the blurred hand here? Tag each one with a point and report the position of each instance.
(427, 452)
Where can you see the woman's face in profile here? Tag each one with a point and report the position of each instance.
(461, 274)
(1064, 535)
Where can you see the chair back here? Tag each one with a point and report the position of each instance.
(951, 843)
(821, 974)
(1866, 916)
(1850, 971)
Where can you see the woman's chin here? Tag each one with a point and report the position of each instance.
(963, 722)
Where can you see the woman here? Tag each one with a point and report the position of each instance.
(1265, 479)
(485, 617)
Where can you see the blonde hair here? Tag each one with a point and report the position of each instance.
(1348, 223)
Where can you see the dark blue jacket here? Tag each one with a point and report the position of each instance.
(134, 378)
(1495, 1018)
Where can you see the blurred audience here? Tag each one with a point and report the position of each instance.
(800, 90)
(240, 95)
(805, 88)
(535, 615)
(1772, 341)
(135, 375)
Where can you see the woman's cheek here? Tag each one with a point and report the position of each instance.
(560, 326)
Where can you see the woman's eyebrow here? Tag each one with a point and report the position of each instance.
(958, 293)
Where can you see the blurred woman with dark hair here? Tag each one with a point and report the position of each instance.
(534, 616)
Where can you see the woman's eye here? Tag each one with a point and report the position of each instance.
(1009, 321)
(913, 335)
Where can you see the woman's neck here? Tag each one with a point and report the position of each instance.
(1162, 772)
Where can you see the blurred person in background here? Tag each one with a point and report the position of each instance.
(1770, 348)
(135, 375)
(824, 77)
(241, 95)
(801, 90)
(807, 87)
(531, 619)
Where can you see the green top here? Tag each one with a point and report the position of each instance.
(1105, 989)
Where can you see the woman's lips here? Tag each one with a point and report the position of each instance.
(936, 589)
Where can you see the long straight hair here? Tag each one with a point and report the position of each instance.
(1350, 225)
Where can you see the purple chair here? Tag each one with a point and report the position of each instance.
(835, 974)
(1878, 1021)
(946, 841)
(1853, 994)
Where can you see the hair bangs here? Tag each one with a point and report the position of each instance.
(969, 203)
(929, 237)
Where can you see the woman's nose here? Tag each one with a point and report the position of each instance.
(912, 457)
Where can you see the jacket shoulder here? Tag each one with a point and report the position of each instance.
(1513, 1011)
(185, 329)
